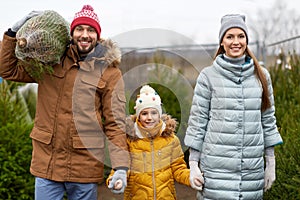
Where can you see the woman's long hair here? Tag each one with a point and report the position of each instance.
(265, 104)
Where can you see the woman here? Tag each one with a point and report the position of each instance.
(232, 122)
(156, 157)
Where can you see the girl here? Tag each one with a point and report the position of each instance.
(156, 157)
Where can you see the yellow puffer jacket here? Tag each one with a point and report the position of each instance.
(155, 164)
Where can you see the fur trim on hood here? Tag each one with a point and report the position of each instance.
(170, 128)
(113, 53)
(106, 51)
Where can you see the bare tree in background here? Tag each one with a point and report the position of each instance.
(273, 25)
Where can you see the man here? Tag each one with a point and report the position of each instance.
(79, 106)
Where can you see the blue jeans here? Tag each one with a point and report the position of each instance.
(51, 190)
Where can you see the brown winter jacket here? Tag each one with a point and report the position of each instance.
(155, 163)
(79, 106)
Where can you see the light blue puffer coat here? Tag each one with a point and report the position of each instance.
(227, 126)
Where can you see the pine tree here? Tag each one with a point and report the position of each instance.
(15, 145)
(286, 86)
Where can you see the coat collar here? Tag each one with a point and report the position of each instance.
(235, 72)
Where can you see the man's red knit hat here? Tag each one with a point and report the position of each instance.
(86, 17)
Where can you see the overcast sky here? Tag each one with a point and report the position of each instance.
(136, 21)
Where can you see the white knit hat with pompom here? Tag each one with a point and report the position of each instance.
(148, 98)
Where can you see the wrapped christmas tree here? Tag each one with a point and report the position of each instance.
(42, 40)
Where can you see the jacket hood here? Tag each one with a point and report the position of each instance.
(170, 127)
(106, 50)
(113, 53)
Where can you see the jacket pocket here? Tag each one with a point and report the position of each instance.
(41, 136)
(88, 142)
(42, 151)
(85, 146)
(93, 81)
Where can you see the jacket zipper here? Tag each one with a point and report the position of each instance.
(153, 168)
(54, 136)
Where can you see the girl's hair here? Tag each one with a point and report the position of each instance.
(265, 104)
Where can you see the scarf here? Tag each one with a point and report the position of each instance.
(143, 132)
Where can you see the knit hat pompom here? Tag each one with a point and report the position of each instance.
(232, 21)
(148, 98)
(146, 89)
(86, 16)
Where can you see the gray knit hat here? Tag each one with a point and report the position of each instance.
(232, 21)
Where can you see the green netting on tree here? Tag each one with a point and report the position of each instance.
(42, 41)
